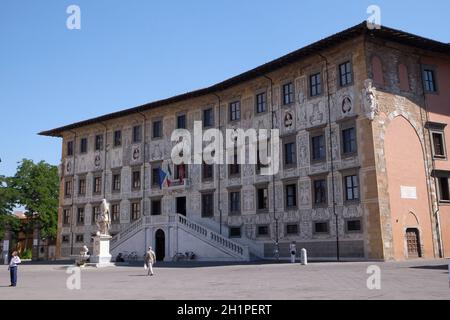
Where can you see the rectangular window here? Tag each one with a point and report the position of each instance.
(68, 188)
(263, 231)
(117, 138)
(262, 198)
(98, 142)
(79, 238)
(444, 190)
(97, 185)
(155, 174)
(290, 157)
(66, 217)
(137, 134)
(181, 121)
(351, 188)
(235, 202)
(292, 229)
(156, 207)
(70, 148)
(207, 205)
(157, 129)
(345, 74)
(180, 172)
(83, 145)
(321, 227)
(318, 152)
(136, 180)
(207, 171)
(235, 232)
(320, 191)
(261, 152)
(116, 182)
(353, 225)
(291, 196)
(208, 118)
(261, 102)
(95, 213)
(135, 211)
(349, 140)
(82, 187)
(235, 111)
(438, 145)
(315, 82)
(288, 93)
(65, 239)
(234, 169)
(80, 216)
(429, 80)
(115, 213)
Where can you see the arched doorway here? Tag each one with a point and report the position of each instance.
(160, 245)
(413, 243)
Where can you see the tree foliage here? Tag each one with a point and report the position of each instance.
(35, 186)
(8, 200)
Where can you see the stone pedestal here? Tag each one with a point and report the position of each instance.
(101, 256)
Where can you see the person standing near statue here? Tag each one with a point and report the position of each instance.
(13, 264)
(150, 259)
(293, 251)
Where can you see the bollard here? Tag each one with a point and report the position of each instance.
(304, 257)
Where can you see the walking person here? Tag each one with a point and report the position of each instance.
(150, 259)
(13, 263)
(293, 250)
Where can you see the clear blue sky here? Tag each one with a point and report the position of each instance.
(131, 52)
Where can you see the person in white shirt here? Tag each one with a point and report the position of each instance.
(13, 263)
(150, 259)
(293, 251)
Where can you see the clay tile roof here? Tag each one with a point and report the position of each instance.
(360, 29)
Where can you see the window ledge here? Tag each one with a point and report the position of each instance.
(352, 202)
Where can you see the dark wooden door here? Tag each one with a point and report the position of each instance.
(413, 243)
(181, 205)
(160, 245)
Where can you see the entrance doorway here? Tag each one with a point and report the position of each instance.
(413, 243)
(181, 205)
(160, 245)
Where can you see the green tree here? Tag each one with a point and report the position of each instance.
(36, 187)
(8, 201)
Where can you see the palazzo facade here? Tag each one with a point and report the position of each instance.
(363, 172)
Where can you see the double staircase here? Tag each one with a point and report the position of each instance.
(181, 223)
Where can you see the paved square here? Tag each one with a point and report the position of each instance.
(399, 280)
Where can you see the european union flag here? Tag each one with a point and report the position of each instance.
(162, 177)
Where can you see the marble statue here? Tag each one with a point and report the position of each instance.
(104, 220)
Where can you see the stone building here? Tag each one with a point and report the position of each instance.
(363, 170)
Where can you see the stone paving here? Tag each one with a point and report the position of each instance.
(269, 281)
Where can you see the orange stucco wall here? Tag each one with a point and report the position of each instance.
(405, 167)
(438, 106)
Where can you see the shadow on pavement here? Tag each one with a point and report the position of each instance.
(436, 267)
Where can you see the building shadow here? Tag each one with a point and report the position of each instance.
(443, 267)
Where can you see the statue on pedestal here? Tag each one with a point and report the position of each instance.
(104, 219)
(101, 255)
